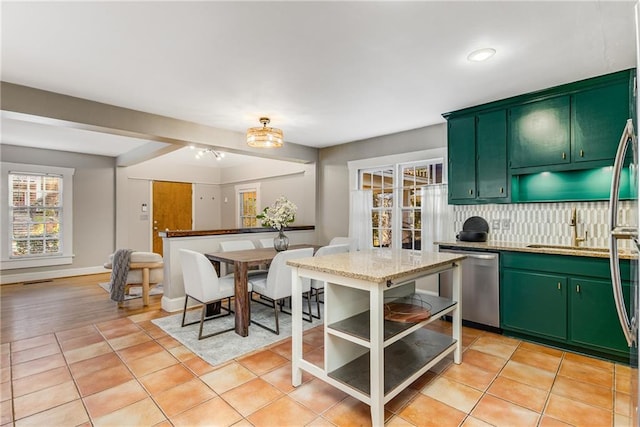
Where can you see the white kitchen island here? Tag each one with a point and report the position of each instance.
(366, 356)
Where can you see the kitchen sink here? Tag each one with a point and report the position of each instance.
(569, 248)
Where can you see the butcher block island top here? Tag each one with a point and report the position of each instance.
(367, 354)
(379, 265)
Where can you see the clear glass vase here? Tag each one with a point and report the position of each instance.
(281, 242)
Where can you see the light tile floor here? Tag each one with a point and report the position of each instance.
(129, 372)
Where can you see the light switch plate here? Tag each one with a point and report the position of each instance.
(495, 224)
(506, 223)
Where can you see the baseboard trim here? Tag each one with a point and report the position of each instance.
(172, 305)
(6, 279)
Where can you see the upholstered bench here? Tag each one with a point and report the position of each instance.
(146, 269)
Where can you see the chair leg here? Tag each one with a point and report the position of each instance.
(275, 310)
(274, 304)
(309, 313)
(309, 306)
(184, 312)
(315, 291)
(203, 317)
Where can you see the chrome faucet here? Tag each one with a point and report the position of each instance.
(573, 223)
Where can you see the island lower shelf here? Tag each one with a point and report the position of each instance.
(357, 326)
(407, 358)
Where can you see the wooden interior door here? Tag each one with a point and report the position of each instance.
(172, 209)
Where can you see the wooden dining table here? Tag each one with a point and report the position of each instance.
(242, 261)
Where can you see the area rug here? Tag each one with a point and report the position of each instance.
(229, 345)
(134, 291)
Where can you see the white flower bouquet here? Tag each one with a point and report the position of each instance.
(279, 215)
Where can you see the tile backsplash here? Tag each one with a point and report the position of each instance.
(546, 223)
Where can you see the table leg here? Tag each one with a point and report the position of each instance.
(242, 303)
(145, 287)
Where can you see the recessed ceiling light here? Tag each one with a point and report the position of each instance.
(481, 54)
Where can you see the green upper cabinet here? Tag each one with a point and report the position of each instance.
(539, 133)
(598, 118)
(494, 148)
(477, 149)
(462, 158)
(491, 144)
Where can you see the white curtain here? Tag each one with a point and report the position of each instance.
(437, 216)
(360, 228)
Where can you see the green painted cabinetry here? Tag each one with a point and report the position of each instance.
(539, 133)
(564, 129)
(491, 158)
(535, 303)
(592, 317)
(562, 300)
(477, 150)
(570, 130)
(598, 115)
(462, 158)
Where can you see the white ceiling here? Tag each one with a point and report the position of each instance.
(325, 72)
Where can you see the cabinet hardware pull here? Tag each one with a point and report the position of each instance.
(559, 287)
(564, 155)
(578, 288)
(501, 190)
(470, 191)
(581, 153)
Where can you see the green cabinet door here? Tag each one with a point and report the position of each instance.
(593, 318)
(491, 145)
(534, 303)
(599, 116)
(540, 133)
(462, 158)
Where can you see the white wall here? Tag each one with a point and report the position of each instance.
(211, 187)
(207, 205)
(294, 180)
(333, 174)
(139, 223)
(93, 210)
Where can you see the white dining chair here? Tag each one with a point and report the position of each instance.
(202, 284)
(344, 241)
(317, 286)
(275, 286)
(266, 242)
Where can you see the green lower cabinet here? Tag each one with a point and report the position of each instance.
(570, 304)
(593, 317)
(535, 303)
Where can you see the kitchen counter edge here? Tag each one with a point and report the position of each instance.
(524, 247)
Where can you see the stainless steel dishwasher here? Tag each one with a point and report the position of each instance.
(480, 287)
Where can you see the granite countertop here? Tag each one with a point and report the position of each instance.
(377, 265)
(492, 245)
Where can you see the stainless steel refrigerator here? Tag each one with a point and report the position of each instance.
(624, 236)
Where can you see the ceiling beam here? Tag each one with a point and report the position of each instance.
(40, 106)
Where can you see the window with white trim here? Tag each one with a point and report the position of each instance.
(37, 207)
(414, 177)
(247, 202)
(396, 216)
(35, 211)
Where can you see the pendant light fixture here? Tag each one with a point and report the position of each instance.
(264, 137)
